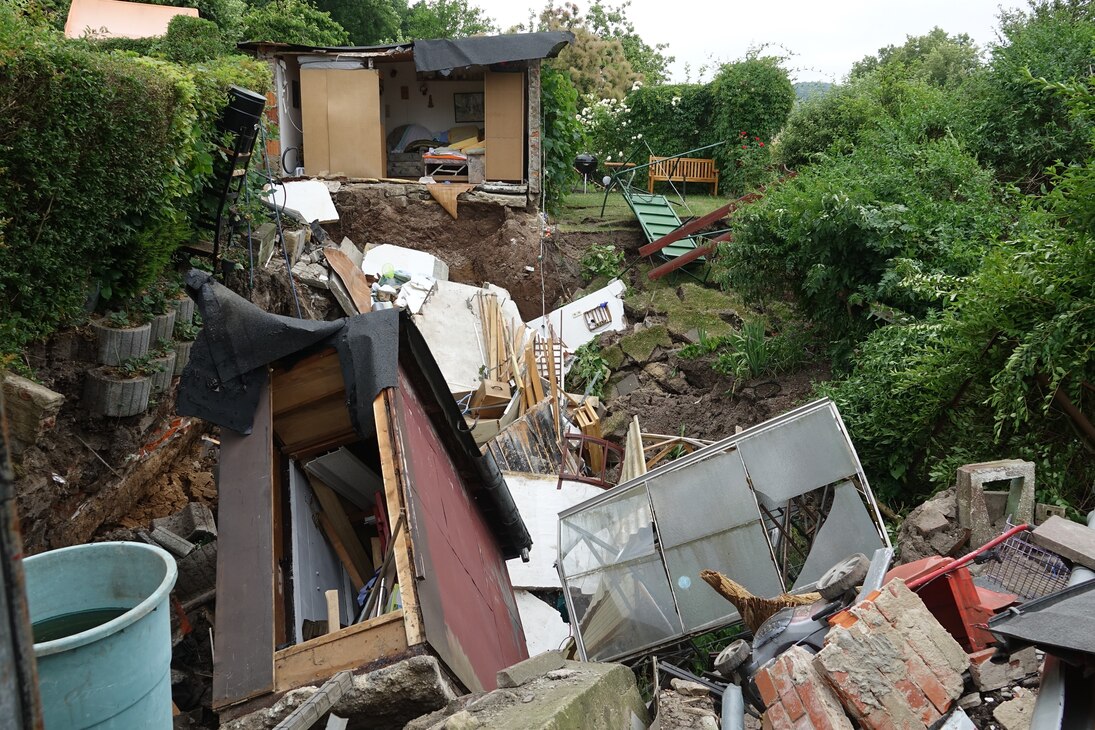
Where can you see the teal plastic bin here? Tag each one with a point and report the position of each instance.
(116, 672)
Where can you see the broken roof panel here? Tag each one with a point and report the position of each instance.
(442, 54)
(630, 559)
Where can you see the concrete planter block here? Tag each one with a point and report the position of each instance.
(182, 355)
(163, 327)
(118, 345)
(184, 310)
(161, 379)
(105, 394)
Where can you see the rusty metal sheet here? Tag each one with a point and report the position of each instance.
(468, 609)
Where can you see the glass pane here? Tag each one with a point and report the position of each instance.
(709, 496)
(615, 531)
(741, 554)
(848, 529)
(797, 456)
(623, 608)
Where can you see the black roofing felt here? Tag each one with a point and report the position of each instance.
(1064, 620)
(443, 54)
(220, 384)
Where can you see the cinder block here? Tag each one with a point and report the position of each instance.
(973, 510)
(31, 408)
(530, 669)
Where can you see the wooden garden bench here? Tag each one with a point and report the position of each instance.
(682, 169)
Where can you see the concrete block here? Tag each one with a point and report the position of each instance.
(1016, 714)
(530, 669)
(31, 408)
(1043, 512)
(1068, 539)
(295, 242)
(172, 543)
(973, 508)
(197, 572)
(991, 671)
(266, 235)
(194, 522)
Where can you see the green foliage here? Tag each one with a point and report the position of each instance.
(225, 14)
(102, 156)
(368, 22)
(561, 135)
(1024, 129)
(601, 260)
(193, 40)
(293, 21)
(445, 19)
(650, 62)
(754, 95)
(936, 58)
(597, 65)
(751, 352)
(837, 235)
(588, 372)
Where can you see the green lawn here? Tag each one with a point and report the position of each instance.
(581, 213)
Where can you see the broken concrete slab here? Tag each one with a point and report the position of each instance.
(384, 699)
(197, 573)
(973, 507)
(310, 200)
(590, 696)
(1069, 539)
(528, 670)
(311, 274)
(266, 235)
(545, 629)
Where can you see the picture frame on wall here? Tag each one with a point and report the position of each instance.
(468, 106)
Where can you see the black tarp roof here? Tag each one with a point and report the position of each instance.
(220, 383)
(442, 54)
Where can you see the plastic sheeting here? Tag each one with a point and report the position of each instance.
(443, 54)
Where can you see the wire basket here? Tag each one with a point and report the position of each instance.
(1027, 570)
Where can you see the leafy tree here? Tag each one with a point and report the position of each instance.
(598, 66)
(368, 22)
(562, 134)
(937, 58)
(293, 21)
(192, 40)
(650, 62)
(445, 19)
(1023, 130)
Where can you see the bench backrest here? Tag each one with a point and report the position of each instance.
(682, 168)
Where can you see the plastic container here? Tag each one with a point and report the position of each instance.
(114, 671)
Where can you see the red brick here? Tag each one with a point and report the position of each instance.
(803, 723)
(917, 701)
(775, 718)
(923, 678)
(788, 697)
(821, 710)
(980, 657)
(767, 689)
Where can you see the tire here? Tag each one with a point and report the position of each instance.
(732, 657)
(843, 577)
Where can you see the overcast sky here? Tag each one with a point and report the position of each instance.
(825, 36)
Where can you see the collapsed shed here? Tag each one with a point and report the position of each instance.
(346, 430)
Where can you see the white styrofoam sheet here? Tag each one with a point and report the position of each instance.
(569, 322)
(545, 629)
(449, 322)
(415, 263)
(310, 198)
(540, 502)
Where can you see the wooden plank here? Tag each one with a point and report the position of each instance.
(313, 117)
(334, 623)
(354, 118)
(533, 369)
(394, 471)
(504, 126)
(243, 665)
(314, 378)
(314, 661)
(352, 277)
(687, 229)
(357, 578)
(340, 525)
(554, 385)
(320, 422)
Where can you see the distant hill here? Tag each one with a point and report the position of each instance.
(809, 89)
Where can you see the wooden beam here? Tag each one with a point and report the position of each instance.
(334, 623)
(394, 471)
(312, 379)
(340, 525)
(687, 229)
(314, 661)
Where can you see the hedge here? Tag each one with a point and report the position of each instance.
(103, 156)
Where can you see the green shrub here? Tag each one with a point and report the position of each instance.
(561, 134)
(601, 260)
(293, 21)
(193, 40)
(103, 155)
(589, 371)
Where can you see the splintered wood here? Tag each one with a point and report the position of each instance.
(754, 610)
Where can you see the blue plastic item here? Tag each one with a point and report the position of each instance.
(115, 674)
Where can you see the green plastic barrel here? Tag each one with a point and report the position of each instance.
(103, 634)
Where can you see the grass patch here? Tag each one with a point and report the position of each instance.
(700, 309)
(639, 345)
